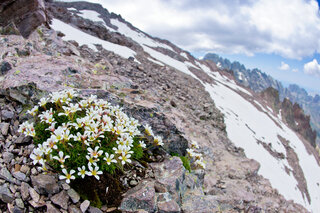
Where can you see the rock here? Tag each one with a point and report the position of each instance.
(25, 169)
(84, 205)
(5, 174)
(5, 67)
(94, 210)
(45, 184)
(23, 139)
(139, 197)
(7, 157)
(73, 195)
(27, 15)
(52, 209)
(65, 186)
(203, 204)
(16, 209)
(133, 183)
(20, 176)
(61, 199)
(7, 115)
(34, 195)
(73, 209)
(20, 203)
(168, 207)
(5, 194)
(4, 128)
(24, 190)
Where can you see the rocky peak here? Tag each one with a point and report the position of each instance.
(26, 15)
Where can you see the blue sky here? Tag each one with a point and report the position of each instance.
(280, 37)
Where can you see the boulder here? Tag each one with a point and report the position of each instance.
(45, 184)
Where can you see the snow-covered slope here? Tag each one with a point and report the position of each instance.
(250, 125)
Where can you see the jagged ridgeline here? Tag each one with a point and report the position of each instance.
(259, 81)
(225, 148)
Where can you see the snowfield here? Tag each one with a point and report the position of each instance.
(246, 124)
(72, 33)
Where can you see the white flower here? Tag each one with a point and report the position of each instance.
(59, 132)
(43, 101)
(91, 160)
(158, 141)
(95, 153)
(74, 108)
(33, 111)
(67, 175)
(148, 130)
(94, 172)
(125, 158)
(142, 144)
(191, 152)
(61, 158)
(109, 158)
(37, 157)
(194, 145)
(200, 163)
(82, 171)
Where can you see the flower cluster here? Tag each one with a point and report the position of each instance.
(195, 156)
(84, 137)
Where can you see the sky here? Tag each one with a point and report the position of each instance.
(280, 37)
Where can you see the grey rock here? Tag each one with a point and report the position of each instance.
(4, 128)
(23, 139)
(24, 190)
(94, 210)
(133, 183)
(84, 205)
(45, 184)
(19, 203)
(7, 115)
(20, 176)
(52, 209)
(200, 203)
(73, 209)
(61, 199)
(16, 209)
(140, 197)
(5, 194)
(7, 157)
(5, 174)
(73, 195)
(34, 195)
(5, 67)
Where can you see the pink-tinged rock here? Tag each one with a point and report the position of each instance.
(140, 197)
(61, 199)
(168, 207)
(200, 204)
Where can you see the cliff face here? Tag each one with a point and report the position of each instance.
(26, 15)
(293, 114)
(249, 151)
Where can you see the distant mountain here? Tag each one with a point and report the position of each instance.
(259, 81)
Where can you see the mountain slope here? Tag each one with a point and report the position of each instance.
(259, 81)
(110, 55)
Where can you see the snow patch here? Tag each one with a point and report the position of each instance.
(156, 62)
(91, 15)
(139, 37)
(183, 54)
(72, 33)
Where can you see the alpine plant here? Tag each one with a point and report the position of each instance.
(84, 137)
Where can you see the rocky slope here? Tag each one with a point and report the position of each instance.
(182, 98)
(259, 81)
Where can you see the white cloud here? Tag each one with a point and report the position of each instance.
(295, 70)
(284, 66)
(312, 68)
(261, 26)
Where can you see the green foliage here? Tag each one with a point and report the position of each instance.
(185, 161)
(73, 134)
